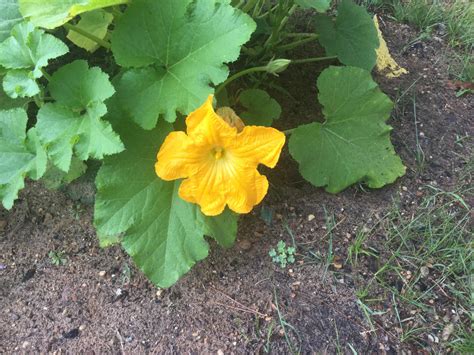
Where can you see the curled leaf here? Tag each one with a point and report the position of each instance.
(385, 62)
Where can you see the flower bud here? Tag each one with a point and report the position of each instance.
(277, 66)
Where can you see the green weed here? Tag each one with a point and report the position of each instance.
(57, 258)
(283, 255)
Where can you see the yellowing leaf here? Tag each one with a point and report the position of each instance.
(385, 62)
(55, 13)
(95, 22)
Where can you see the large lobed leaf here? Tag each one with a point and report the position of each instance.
(54, 13)
(352, 37)
(353, 144)
(74, 122)
(24, 54)
(180, 47)
(21, 154)
(163, 233)
(9, 17)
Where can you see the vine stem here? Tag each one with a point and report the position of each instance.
(250, 5)
(297, 43)
(265, 69)
(88, 35)
(238, 75)
(312, 60)
(46, 75)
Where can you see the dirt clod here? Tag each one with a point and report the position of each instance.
(71, 334)
(28, 275)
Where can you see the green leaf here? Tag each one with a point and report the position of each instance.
(318, 5)
(54, 13)
(352, 37)
(353, 144)
(222, 228)
(187, 42)
(74, 121)
(21, 155)
(54, 178)
(261, 108)
(20, 83)
(9, 17)
(96, 23)
(30, 48)
(162, 233)
(7, 102)
(24, 54)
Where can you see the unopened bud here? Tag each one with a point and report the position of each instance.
(277, 66)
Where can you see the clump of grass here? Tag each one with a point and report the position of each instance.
(427, 269)
(456, 17)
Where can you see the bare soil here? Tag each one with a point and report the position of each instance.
(236, 300)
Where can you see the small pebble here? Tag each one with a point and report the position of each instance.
(311, 217)
(244, 244)
(102, 273)
(447, 331)
(82, 327)
(25, 344)
(424, 271)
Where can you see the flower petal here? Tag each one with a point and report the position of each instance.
(246, 190)
(258, 145)
(207, 189)
(221, 184)
(178, 157)
(205, 126)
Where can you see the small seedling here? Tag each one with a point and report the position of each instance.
(283, 255)
(57, 258)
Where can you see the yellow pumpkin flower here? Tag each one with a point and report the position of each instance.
(219, 163)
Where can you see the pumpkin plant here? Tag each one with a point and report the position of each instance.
(146, 88)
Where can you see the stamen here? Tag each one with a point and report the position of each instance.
(218, 152)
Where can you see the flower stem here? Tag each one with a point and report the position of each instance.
(289, 131)
(265, 69)
(88, 35)
(312, 60)
(238, 75)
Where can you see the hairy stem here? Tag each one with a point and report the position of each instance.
(249, 6)
(297, 43)
(312, 60)
(46, 75)
(238, 75)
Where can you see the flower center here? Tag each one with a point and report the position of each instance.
(217, 152)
